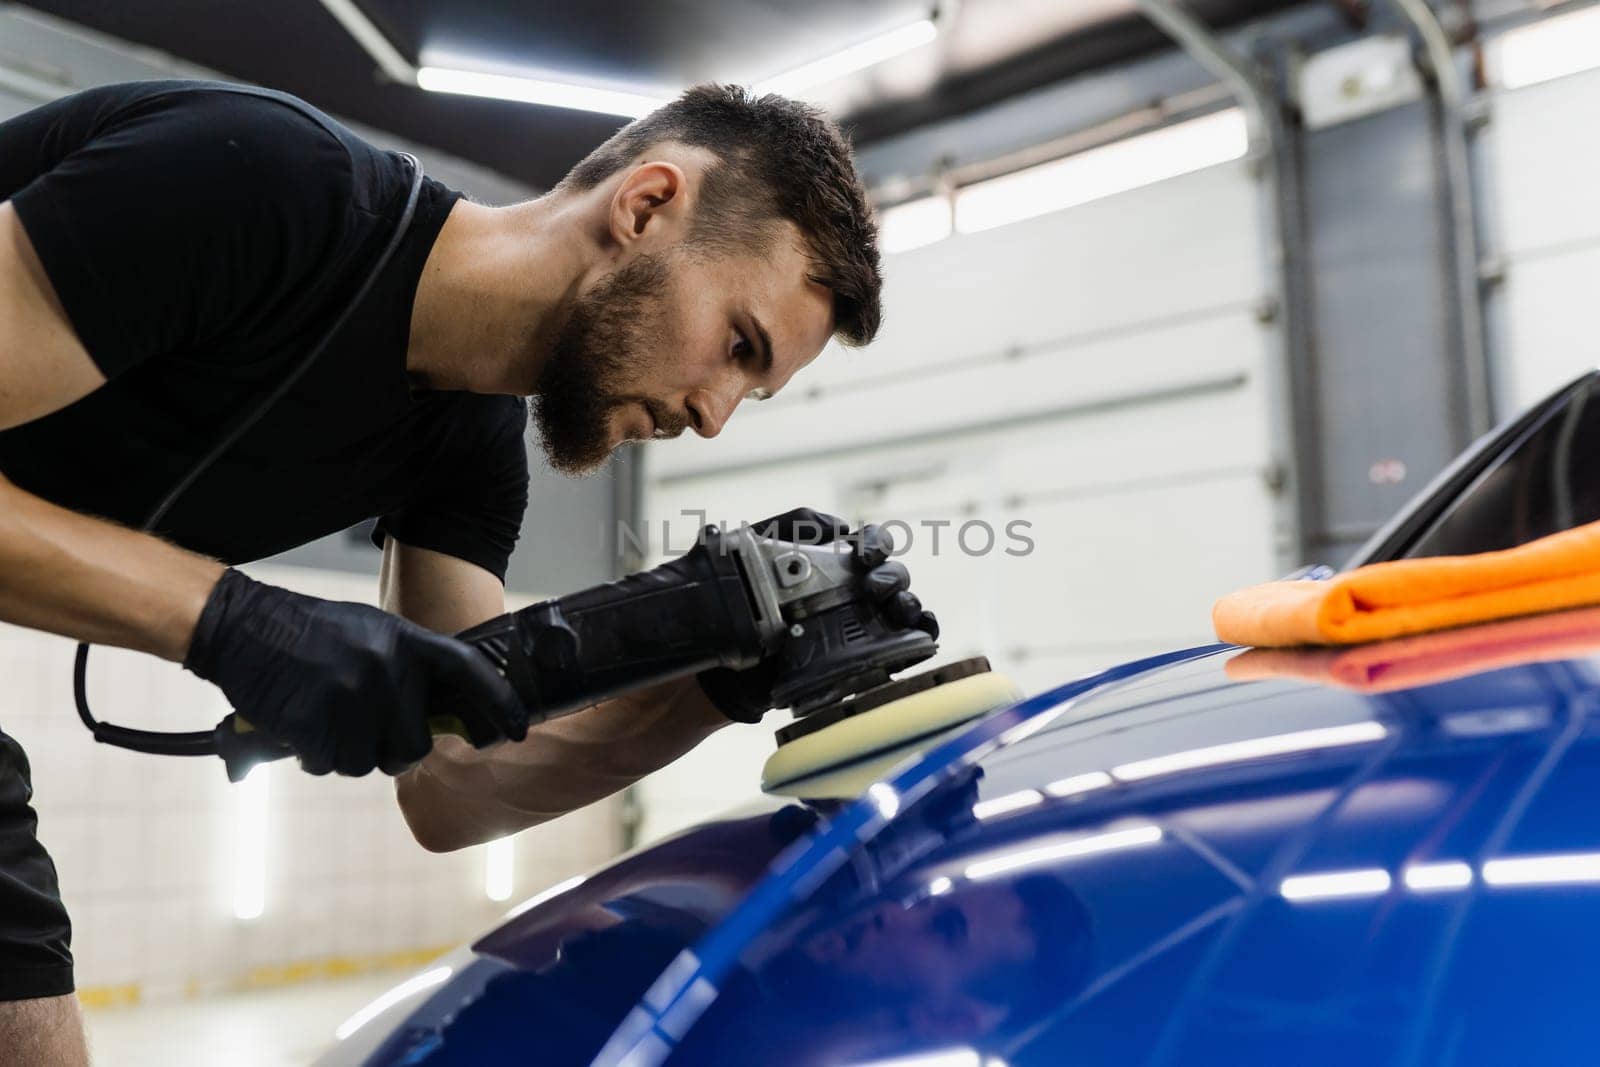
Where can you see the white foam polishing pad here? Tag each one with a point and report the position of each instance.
(845, 757)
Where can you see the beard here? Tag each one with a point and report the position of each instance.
(599, 350)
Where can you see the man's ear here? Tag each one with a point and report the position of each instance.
(651, 203)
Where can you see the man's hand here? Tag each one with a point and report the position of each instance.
(346, 687)
(745, 696)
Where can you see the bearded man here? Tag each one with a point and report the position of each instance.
(171, 252)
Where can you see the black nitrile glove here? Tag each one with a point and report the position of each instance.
(745, 696)
(345, 687)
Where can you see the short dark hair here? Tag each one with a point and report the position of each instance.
(778, 160)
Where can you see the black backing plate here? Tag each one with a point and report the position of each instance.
(878, 696)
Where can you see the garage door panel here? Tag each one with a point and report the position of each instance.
(1111, 264)
(673, 513)
(1196, 357)
(1097, 374)
(984, 293)
(1143, 566)
(1083, 454)
(1550, 330)
(1545, 164)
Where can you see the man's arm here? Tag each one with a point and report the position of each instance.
(60, 571)
(95, 581)
(459, 796)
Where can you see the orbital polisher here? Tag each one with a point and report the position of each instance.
(739, 598)
(736, 600)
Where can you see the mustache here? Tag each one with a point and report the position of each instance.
(669, 422)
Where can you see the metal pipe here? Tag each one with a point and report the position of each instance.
(1463, 216)
(365, 33)
(1292, 427)
(1197, 39)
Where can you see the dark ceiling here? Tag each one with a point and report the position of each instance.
(296, 45)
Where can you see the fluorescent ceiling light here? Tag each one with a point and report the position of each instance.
(940, 886)
(1024, 798)
(1102, 172)
(606, 101)
(1565, 868)
(1334, 884)
(1079, 783)
(537, 91)
(868, 53)
(1358, 733)
(580, 97)
(1428, 877)
(425, 980)
(250, 844)
(1082, 846)
(914, 224)
(499, 868)
(1550, 48)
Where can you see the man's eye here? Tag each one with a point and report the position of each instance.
(742, 348)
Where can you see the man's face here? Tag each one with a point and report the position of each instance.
(936, 944)
(673, 341)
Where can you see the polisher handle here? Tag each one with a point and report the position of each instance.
(243, 747)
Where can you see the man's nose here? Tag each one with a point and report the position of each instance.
(708, 412)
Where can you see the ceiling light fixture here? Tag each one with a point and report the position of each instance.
(537, 91)
(1545, 50)
(857, 57)
(576, 96)
(250, 845)
(1100, 172)
(913, 224)
(499, 868)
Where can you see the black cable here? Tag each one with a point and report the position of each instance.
(203, 742)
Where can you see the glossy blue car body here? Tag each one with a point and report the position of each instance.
(1177, 861)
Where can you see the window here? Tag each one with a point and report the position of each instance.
(1545, 480)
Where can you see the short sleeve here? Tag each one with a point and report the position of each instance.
(184, 215)
(470, 503)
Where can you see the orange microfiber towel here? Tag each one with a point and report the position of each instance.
(1413, 596)
(1428, 659)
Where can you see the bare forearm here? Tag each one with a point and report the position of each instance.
(459, 797)
(96, 581)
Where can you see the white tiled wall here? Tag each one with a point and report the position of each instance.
(147, 846)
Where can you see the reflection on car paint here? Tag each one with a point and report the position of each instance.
(1302, 874)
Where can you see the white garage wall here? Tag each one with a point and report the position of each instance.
(1097, 374)
(1541, 161)
(148, 848)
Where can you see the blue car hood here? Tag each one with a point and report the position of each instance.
(1178, 861)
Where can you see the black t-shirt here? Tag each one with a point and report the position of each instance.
(201, 239)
